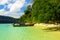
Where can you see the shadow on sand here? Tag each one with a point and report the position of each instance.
(52, 29)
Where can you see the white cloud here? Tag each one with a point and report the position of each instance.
(14, 8)
(3, 1)
(2, 12)
(30, 4)
(15, 15)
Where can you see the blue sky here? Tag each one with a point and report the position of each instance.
(13, 8)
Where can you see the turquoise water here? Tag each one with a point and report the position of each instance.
(8, 32)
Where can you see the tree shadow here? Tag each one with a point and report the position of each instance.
(52, 29)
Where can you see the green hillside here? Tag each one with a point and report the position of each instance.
(42, 11)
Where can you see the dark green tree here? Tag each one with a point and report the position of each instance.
(43, 11)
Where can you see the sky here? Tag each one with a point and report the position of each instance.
(13, 8)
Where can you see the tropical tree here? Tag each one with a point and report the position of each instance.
(43, 11)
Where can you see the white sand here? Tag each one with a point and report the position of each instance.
(47, 25)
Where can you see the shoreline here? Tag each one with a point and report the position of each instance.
(48, 25)
(44, 25)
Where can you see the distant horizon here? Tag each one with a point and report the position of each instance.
(9, 16)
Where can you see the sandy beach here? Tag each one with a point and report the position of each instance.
(43, 25)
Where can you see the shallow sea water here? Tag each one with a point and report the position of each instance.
(8, 32)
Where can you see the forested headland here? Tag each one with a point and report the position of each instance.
(42, 11)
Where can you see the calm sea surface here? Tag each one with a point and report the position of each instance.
(8, 32)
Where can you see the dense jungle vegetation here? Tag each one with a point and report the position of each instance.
(42, 11)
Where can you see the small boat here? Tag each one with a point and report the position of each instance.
(23, 24)
(29, 24)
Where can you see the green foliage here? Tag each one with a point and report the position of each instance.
(43, 11)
